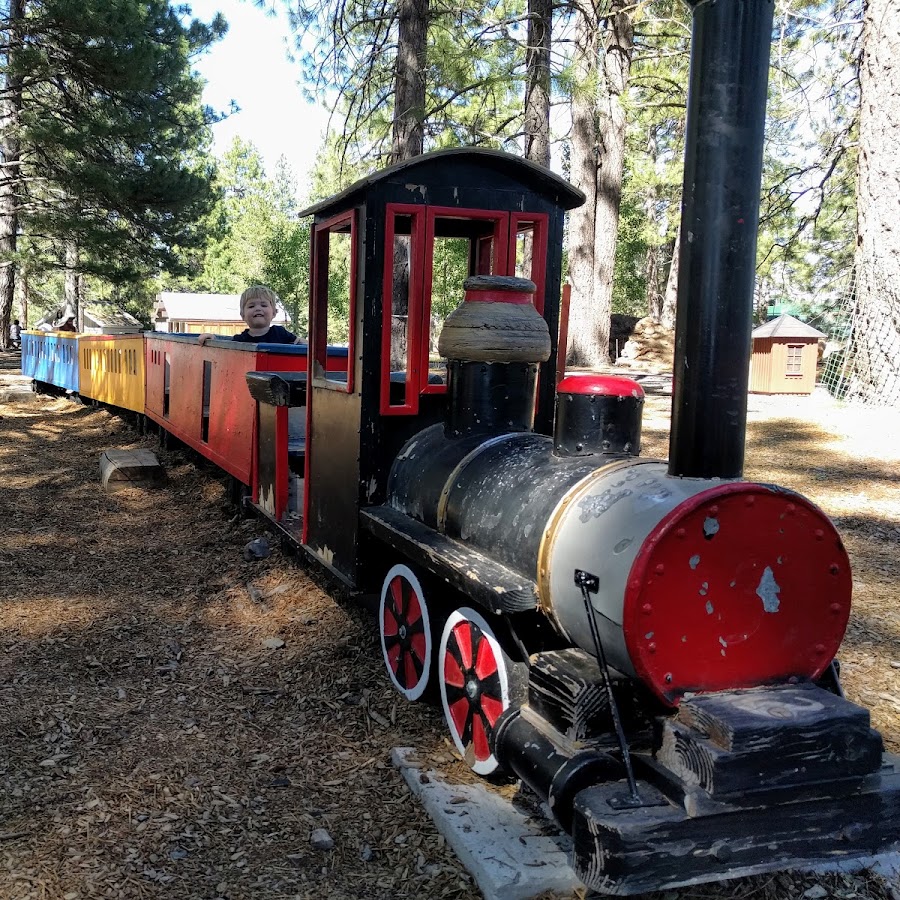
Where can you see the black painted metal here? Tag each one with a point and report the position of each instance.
(597, 423)
(487, 397)
(499, 491)
(423, 467)
(720, 216)
(282, 389)
(485, 581)
(557, 777)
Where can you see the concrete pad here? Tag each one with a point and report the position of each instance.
(130, 468)
(510, 855)
(16, 389)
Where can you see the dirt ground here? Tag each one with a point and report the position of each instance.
(178, 722)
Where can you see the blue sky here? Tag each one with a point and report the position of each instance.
(250, 66)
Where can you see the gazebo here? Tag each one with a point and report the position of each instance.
(785, 355)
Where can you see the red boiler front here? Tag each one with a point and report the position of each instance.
(702, 588)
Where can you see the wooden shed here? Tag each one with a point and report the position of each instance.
(785, 355)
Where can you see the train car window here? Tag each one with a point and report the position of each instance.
(207, 393)
(528, 251)
(167, 384)
(334, 298)
(429, 253)
(459, 243)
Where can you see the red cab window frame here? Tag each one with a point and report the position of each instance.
(319, 331)
(410, 405)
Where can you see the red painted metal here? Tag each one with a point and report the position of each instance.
(742, 585)
(563, 342)
(281, 462)
(319, 308)
(536, 223)
(232, 412)
(417, 262)
(606, 385)
(514, 297)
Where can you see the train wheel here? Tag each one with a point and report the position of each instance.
(405, 626)
(475, 686)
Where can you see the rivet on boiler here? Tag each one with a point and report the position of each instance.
(790, 509)
(820, 649)
(835, 607)
(834, 568)
(660, 569)
(819, 534)
(749, 501)
(714, 510)
(652, 647)
(646, 609)
(680, 533)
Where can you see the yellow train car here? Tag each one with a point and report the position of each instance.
(111, 369)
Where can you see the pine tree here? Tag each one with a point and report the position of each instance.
(103, 112)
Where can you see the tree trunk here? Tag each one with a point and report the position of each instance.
(537, 90)
(409, 80)
(407, 142)
(10, 107)
(667, 314)
(877, 319)
(598, 127)
(583, 324)
(71, 288)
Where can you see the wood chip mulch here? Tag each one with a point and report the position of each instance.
(178, 722)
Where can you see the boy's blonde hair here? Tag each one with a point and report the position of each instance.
(259, 291)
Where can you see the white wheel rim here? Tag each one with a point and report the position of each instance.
(456, 697)
(400, 646)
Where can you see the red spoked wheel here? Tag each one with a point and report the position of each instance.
(405, 625)
(475, 686)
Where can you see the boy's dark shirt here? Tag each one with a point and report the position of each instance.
(275, 335)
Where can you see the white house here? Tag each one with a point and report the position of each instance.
(184, 313)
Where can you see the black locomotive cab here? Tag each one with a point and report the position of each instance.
(388, 260)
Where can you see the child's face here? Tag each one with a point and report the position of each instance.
(258, 312)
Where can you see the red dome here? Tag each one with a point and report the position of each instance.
(607, 385)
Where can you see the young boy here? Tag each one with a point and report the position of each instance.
(258, 307)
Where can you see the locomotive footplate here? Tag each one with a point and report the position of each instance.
(743, 782)
(624, 851)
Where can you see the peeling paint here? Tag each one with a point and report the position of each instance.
(710, 527)
(624, 544)
(648, 635)
(595, 506)
(709, 607)
(421, 188)
(723, 642)
(768, 590)
(704, 589)
(326, 554)
(694, 561)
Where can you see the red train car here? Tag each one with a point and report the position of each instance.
(195, 394)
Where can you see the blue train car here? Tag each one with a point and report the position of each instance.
(51, 358)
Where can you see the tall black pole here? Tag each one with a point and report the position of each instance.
(719, 219)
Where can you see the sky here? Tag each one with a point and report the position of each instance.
(249, 65)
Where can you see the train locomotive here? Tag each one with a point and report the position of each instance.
(648, 644)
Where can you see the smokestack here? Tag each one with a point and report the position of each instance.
(493, 342)
(719, 220)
